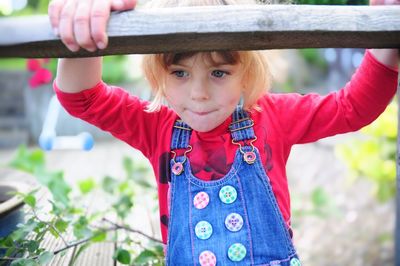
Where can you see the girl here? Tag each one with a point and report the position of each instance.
(220, 166)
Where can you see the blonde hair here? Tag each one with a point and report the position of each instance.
(256, 76)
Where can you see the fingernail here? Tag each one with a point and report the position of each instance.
(101, 45)
(118, 3)
(55, 31)
(73, 47)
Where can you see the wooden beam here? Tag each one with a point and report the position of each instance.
(217, 28)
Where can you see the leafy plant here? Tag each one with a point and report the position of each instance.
(67, 216)
(373, 155)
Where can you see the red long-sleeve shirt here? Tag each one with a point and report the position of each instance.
(285, 120)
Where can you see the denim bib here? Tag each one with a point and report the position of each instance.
(234, 220)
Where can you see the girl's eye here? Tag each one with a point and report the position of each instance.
(219, 73)
(180, 73)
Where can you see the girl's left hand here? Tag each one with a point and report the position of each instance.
(389, 57)
(384, 2)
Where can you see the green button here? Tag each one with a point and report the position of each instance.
(236, 252)
(295, 262)
(228, 194)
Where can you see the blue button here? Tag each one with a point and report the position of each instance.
(203, 230)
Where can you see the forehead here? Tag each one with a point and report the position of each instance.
(209, 58)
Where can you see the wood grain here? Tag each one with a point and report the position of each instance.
(217, 28)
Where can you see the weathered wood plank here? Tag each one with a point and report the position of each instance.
(217, 28)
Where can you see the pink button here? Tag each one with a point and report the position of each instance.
(207, 258)
(201, 200)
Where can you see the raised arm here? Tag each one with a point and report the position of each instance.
(82, 24)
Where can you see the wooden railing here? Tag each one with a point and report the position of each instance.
(221, 28)
(217, 28)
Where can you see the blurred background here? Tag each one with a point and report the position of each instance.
(342, 188)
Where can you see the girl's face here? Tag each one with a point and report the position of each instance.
(203, 95)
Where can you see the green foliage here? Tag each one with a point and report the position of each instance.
(123, 256)
(321, 204)
(314, 58)
(33, 7)
(373, 156)
(24, 246)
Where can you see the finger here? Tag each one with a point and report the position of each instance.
(121, 5)
(82, 25)
(66, 26)
(54, 10)
(100, 14)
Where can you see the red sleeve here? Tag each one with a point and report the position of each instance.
(311, 117)
(114, 110)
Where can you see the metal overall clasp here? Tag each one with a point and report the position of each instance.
(177, 167)
(248, 156)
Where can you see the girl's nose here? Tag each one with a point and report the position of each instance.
(199, 91)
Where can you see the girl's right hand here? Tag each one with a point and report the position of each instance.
(83, 23)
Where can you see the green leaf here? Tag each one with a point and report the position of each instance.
(109, 184)
(10, 252)
(28, 161)
(128, 166)
(32, 246)
(145, 257)
(18, 234)
(24, 262)
(79, 252)
(6, 242)
(56, 184)
(45, 257)
(81, 228)
(122, 256)
(30, 200)
(319, 197)
(99, 236)
(87, 185)
(61, 225)
(123, 205)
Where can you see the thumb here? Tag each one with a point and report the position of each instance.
(122, 5)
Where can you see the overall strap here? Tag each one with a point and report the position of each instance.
(241, 127)
(180, 135)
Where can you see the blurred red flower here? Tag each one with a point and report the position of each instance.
(40, 75)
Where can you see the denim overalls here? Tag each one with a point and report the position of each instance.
(231, 221)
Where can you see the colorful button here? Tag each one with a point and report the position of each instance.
(236, 252)
(295, 262)
(203, 230)
(228, 194)
(207, 258)
(177, 168)
(201, 200)
(234, 222)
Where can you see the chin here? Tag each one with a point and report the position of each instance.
(202, 128)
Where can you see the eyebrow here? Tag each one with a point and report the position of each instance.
(213, 65)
